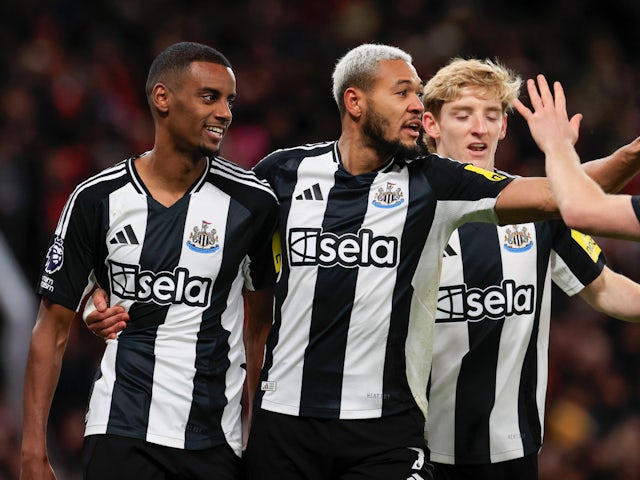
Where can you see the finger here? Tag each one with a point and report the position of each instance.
(575, 124)
(545, 91)
(97, 325)
(633, 147)
(560, 99)
(521, 108)
(97, 316)
(100, 299)
(89, 312)
(112, 315)
(108, 326)
(112, 332)
(534, 96)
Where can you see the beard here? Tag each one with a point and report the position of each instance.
(374, 126)
(209, 151)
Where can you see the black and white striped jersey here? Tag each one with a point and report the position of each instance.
(635, 204)
(356, 299)
(174, 376)
(489, 368)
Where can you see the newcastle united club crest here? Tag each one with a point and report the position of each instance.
(517, 240)
(203, 240)
(388, 198)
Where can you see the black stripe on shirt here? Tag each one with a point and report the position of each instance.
(477, 379)
(333, 301)
(160, 251)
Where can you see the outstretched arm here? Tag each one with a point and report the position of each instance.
(614, 295)
(612, 172)
(581, 201)
(615, 171)
(48, 342)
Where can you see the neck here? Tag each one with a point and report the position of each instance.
(487, 164)
(358, 158)
(168, 176)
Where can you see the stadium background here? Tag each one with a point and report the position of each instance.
(71, 103)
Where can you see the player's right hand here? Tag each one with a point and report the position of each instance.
(104, 321)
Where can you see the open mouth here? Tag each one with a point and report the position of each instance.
(218, 132)
(414, 127)
(477, 147)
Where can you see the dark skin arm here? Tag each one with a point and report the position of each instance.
(46, 350)
(259, 318)
(615, 171)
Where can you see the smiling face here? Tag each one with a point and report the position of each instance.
(392, 109)
(199, 108)
(468, 128)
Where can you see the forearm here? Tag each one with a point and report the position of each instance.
(46, 351)
(255, 341)
(526, 199)
(583, 204)
(615, 171)
(573, 190)
(567, 179)
(259, 320)
(614, 295)
(255, 356)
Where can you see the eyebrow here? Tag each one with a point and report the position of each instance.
(408, 82)
(216, 91)
(467, 108)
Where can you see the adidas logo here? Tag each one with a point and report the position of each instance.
(313, 193)
(125, 236)
(449, 251)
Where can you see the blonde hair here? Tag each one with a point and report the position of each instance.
(493, 79)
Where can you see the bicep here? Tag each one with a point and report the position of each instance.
(48, 341)
(54, 319)
(259, 308)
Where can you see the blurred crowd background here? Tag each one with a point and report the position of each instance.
(72, 76)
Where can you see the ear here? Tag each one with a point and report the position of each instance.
(160, 97)
(353, 101)
(430, 125)
(503, 129)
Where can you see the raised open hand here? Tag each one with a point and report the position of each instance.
(549, 122)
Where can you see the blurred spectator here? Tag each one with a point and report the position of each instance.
(70, 105)
(9, 444)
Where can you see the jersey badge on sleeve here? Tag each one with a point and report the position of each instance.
(388, 198)
(276, 249)
(55, 256)
(493, 176)
(517, 240)
(587, 243)
(202, 240)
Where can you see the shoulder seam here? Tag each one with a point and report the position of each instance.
(108, 174)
